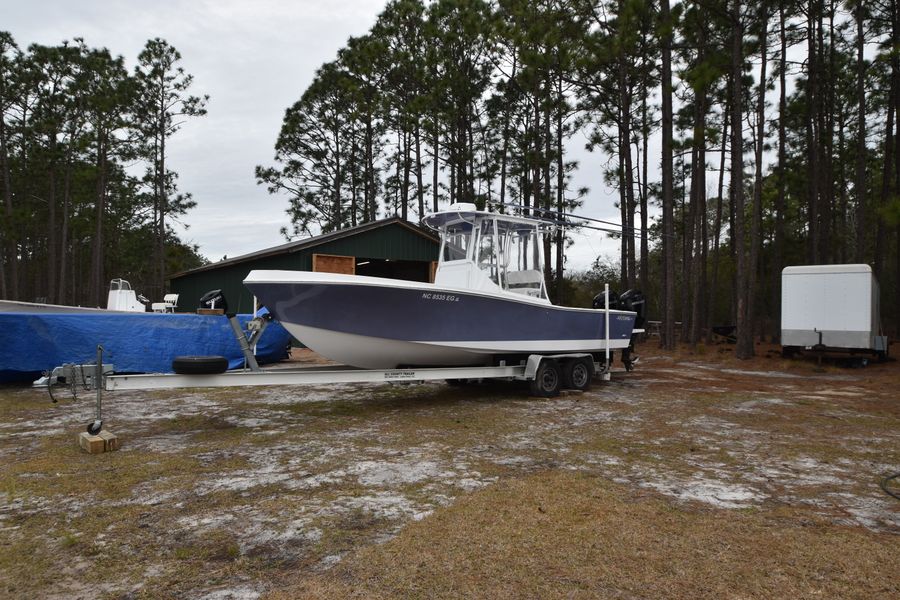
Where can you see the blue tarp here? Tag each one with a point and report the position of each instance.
(133, 343)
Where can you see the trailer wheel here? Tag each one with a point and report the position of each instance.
(578, 373)
(199, 365)
(547, 380)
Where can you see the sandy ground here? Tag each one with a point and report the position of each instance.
(237, 493)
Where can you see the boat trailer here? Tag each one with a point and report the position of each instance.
(546, 374)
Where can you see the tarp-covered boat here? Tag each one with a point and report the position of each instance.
(134, 342)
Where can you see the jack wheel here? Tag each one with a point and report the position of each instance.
(548, 379)
(94, 427)
(578, 373)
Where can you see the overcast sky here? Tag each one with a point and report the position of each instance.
(254, 58)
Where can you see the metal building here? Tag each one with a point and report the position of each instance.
(386, 248)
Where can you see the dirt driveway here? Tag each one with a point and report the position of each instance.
(246, 492)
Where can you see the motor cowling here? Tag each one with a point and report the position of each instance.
(634, 300)
(214, 299)
(600, 301)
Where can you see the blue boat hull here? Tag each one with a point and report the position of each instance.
(133, 342)
(386, 324)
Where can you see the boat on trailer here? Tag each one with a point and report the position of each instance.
(488, 304)
(38, 337)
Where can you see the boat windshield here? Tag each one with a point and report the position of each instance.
(488, 255)
(521, 258)
(510, 253)
(456, 241)
(119, 284)
(506, 249)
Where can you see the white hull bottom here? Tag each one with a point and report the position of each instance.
(381, 353)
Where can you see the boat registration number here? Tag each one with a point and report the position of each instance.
(440, 297)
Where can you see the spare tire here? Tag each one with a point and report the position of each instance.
(199, 365)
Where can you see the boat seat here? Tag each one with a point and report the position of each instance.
(527, 283)
(170, 301)
(524, 279)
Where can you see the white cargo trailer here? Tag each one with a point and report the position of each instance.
(831, 307)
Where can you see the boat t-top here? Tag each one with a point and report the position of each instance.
(488, 303)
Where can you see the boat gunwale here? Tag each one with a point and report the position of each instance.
(416, 285)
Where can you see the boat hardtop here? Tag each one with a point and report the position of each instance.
(491, 252)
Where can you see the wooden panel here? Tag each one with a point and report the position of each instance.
(330, 263)
(432, 271)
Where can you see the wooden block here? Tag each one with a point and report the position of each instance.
(92, 444)
(210, 311)
(110, 441)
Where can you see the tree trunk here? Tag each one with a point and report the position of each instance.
(698, 201)
(626, 177)
(623, 203)
(338, 182)
(420, 189)
(12, 256)
(826, 181)
(668, 333)
(645, 242)
(369, 185)
(714, 287)
(435, 167)
(778, 243)
(628, 229)
(354, 151)
(163, 202)
(895, 34)
(52, 230)
(843, 249)
(688, 221)
(756, 223)
(535, 167)
(887, 177)
(812, 141)
(547, 204)
(504, 151)
(860, 183)
(560, 193)
(744, 347)
(403, 179)
(97, 280)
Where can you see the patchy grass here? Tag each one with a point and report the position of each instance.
(695, 476)
(565, 534)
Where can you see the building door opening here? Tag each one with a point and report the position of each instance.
(409, 270)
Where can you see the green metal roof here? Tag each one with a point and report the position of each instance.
(392, 239)
(304, 244)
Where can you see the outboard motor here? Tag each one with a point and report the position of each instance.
(599, 301)
(634, 300)
(214, 299)
(630, 300)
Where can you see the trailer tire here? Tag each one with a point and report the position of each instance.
(577, 374)
(199, 365)
(547, 379)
